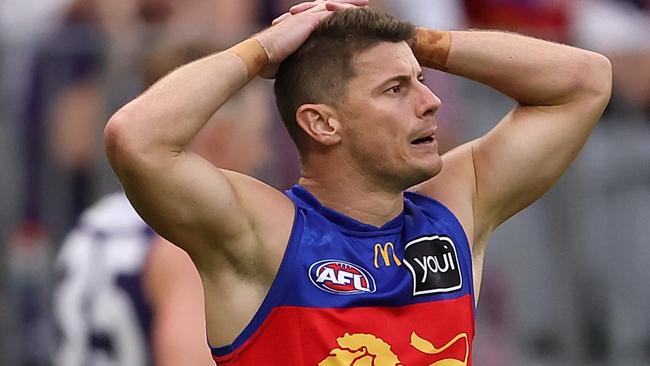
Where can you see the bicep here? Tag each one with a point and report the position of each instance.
(524, 155)
(188, 200)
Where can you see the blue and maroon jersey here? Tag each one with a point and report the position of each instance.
(352, 294)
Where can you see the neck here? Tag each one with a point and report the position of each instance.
(353, 195)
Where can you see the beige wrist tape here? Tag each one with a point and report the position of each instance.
(252, 53)
(431, 47)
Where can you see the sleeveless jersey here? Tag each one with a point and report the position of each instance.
(352, 294)
(101, 312)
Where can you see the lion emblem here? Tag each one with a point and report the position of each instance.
(369, 350)
(361, 350)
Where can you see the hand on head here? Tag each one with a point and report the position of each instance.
(314, 6)
(291, 29)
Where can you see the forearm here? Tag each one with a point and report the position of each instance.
(172, 111)
(531, 71)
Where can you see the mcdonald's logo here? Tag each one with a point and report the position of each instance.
(386, 251)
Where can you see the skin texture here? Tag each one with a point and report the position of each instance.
(172, 281)
(235, 228)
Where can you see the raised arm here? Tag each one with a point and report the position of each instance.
(181, 195)
(145, 143)
(561, 93)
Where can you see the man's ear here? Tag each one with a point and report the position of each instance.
(320, 122)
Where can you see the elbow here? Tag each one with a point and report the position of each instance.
(595, 78)
(120, 144)
(113, 137)
(132, 145)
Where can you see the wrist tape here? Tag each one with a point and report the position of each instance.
(252, 54)
(431, 47)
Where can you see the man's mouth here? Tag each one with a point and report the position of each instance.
(423, 140)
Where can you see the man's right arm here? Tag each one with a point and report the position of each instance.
(182, 196)
(176, 191)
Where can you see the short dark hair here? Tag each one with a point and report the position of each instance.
(319, 71)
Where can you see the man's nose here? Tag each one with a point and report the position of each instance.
(429, 102)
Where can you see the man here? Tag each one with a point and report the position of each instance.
(347, 268)
(126, 296)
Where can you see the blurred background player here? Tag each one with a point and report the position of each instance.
(127, 297)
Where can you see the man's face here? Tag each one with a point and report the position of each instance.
(388, 124)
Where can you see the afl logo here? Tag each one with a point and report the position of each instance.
(341, 277)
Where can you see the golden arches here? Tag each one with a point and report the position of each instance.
(383, 250)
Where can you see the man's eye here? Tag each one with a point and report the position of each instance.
(395, 89)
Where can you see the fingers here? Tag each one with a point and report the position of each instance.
(322, 14)
(353, 2)
(303, 6)
(333, 4)
(312, 7)
(280, 18)
(318, 6)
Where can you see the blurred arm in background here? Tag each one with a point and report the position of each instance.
(176, 295)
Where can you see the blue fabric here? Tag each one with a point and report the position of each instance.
(322, 237)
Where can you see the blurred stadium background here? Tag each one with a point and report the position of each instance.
(566, 282)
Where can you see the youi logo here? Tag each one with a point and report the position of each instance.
(341, 277)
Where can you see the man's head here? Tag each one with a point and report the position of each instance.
(352, 97)
(319, 71)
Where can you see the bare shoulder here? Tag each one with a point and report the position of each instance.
(271, 212)
(454, 186)
(260, 201)
(250, 188)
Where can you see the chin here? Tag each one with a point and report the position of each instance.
(436, 166)
(402, 176)
(427, 174)
(420, 175)
(432, 166)
(430, 170)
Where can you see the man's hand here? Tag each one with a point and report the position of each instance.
(290, 30)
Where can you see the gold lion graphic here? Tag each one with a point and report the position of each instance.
(361, 350)
(369, 350)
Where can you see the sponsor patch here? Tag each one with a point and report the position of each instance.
(433, 263)
(384, 252)
(341, 277)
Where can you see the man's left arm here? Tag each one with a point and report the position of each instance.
(561, 93)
